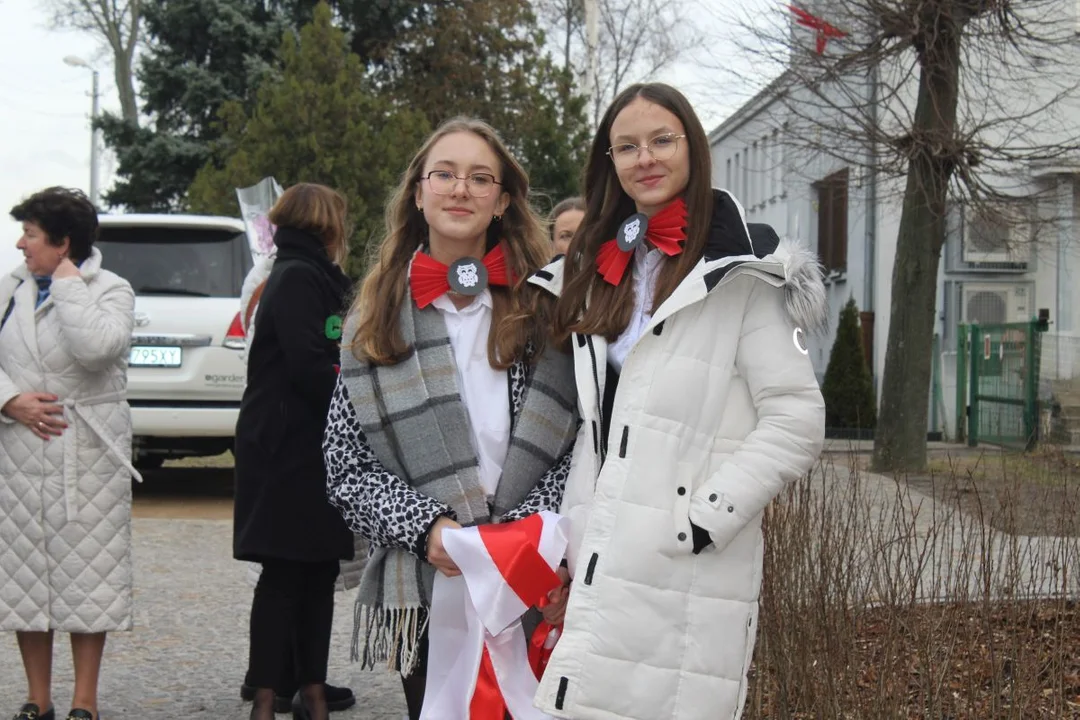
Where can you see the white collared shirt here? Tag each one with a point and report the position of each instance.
(484, 390)
(647, 264)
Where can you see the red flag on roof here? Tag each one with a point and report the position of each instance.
(824, 30)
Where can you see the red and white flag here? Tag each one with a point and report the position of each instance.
(478, 655)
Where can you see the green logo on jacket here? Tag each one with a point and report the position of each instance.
(333, 327)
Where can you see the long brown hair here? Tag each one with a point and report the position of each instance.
(607, 205)
(519, 315)
(316, 209)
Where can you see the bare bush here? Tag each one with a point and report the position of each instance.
(879, 601)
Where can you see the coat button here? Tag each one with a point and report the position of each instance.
(712, 498)
(731, 508)
(682, 537)
(682, 491)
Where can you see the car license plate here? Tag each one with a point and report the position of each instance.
(155, 356)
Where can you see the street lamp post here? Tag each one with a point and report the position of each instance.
(95, 108)
(592, 82)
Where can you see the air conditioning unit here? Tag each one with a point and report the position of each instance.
(996, 303)
(997, 236)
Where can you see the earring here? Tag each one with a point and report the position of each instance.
(496, 218)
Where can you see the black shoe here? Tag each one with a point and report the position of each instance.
(80, 714)
(337, 699)
(30, 711)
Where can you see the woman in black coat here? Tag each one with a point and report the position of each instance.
(282, 518)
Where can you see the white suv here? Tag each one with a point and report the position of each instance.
(186, 369)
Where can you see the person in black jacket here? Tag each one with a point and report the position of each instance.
(282, 518)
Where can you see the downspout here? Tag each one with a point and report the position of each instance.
(871, 215)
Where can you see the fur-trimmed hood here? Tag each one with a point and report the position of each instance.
(804, 283)
(734, 244)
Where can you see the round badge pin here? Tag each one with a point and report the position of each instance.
(632, 232)
(467, 276)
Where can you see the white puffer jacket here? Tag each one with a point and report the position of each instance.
(717, 408)
(65, 504)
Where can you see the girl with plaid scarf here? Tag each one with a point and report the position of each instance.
(452, 408)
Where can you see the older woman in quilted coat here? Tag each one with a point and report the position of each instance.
(65, 448)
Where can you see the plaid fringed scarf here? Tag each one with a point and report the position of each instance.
(418, 428)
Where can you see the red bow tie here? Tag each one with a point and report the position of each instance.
(666, 230)
(429, 278)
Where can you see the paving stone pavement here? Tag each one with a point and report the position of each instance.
(187, 655)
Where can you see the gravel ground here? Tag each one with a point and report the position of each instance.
(187, 655)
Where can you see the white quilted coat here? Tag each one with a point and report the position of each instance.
(65, 504)
(717, 409)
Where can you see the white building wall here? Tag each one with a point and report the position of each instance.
(1052, 271)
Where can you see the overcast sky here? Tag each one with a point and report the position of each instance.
(45, 106)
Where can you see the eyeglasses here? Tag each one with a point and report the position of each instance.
(443, 182)
(661, 147)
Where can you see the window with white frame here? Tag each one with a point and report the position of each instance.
(745, 175)
(774, 166)
(755, 163)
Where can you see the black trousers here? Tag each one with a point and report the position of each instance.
(415, 684)
(292, 616)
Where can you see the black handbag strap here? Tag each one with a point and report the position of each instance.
(10, 306)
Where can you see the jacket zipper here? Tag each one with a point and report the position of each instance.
(592, 567)
(600, 445)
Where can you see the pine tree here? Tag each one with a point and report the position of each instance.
(486, 59)
(199, 55)
(848, 386)
(319, 121)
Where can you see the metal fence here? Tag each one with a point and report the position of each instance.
(1059, 389)
(997, 389)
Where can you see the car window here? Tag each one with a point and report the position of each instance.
(194, 262)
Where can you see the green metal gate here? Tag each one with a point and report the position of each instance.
(997, 384)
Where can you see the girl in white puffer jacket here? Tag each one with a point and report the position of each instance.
(699, 403)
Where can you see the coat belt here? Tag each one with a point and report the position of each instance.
(70, 437)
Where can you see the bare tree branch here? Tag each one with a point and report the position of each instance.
(638, 39)
(963, 100)
(116, 25)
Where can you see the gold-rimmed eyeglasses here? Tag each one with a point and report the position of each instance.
(661, 147)
(443, 182)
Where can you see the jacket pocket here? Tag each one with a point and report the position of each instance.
(682, 532)
(691, 539)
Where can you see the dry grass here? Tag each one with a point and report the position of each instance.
(1035, 493)
(224, 460)
(880, 603)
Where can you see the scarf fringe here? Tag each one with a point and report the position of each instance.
(390, 636)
